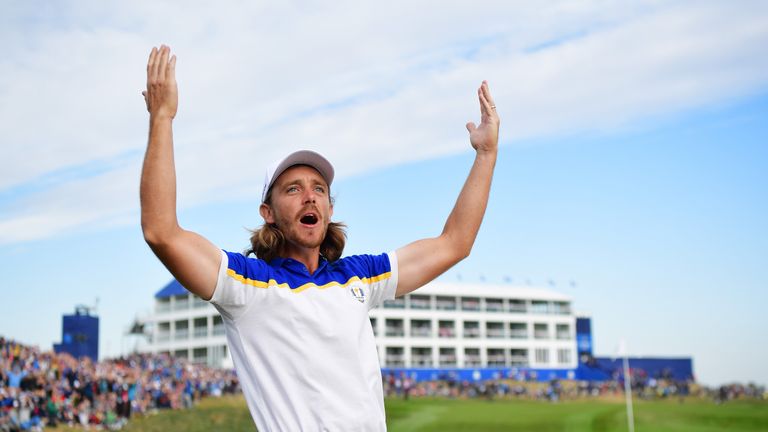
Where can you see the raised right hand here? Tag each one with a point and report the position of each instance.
(161, 95)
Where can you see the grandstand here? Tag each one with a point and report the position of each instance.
(465, 331)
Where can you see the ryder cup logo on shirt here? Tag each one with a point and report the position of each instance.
(356, 289)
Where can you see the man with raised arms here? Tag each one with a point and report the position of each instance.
(296, 316)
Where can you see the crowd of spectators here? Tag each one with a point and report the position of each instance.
(39, 388)
(643, 387)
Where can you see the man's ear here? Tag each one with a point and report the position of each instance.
(266, 212)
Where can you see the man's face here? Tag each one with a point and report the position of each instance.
(300, 206)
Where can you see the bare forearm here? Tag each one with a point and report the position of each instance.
(158, 181)
(463, 223)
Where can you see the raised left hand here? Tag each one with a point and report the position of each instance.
(485, 138)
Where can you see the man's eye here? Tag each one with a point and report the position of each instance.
(320, 189)
(293, 189)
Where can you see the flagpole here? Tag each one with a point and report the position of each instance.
(627, 387)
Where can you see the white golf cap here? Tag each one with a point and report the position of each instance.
(301, 157)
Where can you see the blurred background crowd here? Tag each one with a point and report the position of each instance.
(44, 388)
(39, 389)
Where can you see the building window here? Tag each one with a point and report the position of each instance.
(494, 330)
(518, 357)
(540, 331)
(494, 305)
(421, 328)
(446, 329)
(163, 305)
(218, 354)
(448, 357)
(180, 353)
(518, 330)
(539, 307)
(563, 331)
(471, 329)
(563, 356)
(421, 356)
(200, 355)
(542, 355)
(419, 302)
(181, 329)
(472, 357)
(496, 357)
(445, 303)
(218, 325)
(164, 331)
(398, 303)
(394, 327)
(200, 327)
(181, 302)
(470, 303)
(561, 308)
(198, 303)
(517, 306)
(394, 357)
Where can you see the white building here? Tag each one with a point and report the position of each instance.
(186, 326)
(438, 326)
(476, 326)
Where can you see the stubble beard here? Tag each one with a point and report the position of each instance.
(291, 231)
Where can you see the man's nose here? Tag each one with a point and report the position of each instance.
(309, 196)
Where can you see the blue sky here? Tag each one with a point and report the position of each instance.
(633, 152)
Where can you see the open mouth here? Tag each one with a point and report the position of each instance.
(309, 219)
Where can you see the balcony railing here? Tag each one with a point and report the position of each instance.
(518, 334)
(201, 332)
(163, 336)
(394, 304)
(162, 307)
(218, 330)
(471, 332)
(394, 360)
(470, 361)
(496, 360)
(448, 360)
(181, 334)
(419, 304)
(494, 307)
(395, 332)
(564, 335)
(181, 305)
(470, 306)
(446, 305)
(518, 360)
(516, 308)
(540, 334)
(421, 332)
(421, 360)
(446, 332)
(495, 333)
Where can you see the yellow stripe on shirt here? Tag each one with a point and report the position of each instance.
(273, 283)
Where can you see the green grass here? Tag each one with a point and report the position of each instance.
(502, 415)
(423, 415)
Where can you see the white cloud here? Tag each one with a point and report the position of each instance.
(369, 85)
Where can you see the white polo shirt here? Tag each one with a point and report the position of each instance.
(302, 344)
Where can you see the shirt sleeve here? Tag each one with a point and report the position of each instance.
(239, 281)
(383, 280)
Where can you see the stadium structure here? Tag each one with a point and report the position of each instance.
(80, 334)
(464, 331)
